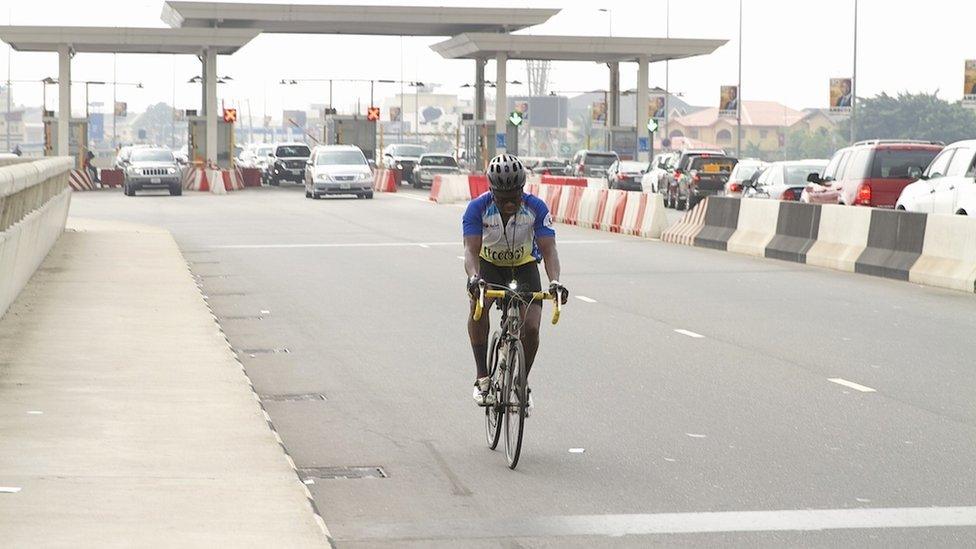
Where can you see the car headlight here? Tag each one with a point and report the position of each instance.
(323, 177)
(365, 176)
(399, 166)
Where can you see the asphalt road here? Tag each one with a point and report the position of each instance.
(697, 384)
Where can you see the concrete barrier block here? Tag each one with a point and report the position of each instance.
(612, 214)
(841, 237)
(796, 232)
(894, 244)
(948, 257)
(721, 220)
(450, 189)
(655, 219)
(589, 212)
(756, 228)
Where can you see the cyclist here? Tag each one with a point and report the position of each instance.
(506, 234)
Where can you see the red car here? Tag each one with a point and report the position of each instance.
(870, 173)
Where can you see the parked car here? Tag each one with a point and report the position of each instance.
(626, 175)
(696, 175)
(587, 163)
(403, 156)
(262, 153)
(743, 172)
(150, 168)
(430, 165)
(552, 166)
(287, 163)
(530, 162)
(654, 178)
(338, 169)
(948, 184)
(870, 173)
(783, 180)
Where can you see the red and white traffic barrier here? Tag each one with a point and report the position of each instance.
(384, 181)
(591, 206)
(562, 180)
(195, 179)
(80, 180)
(534, 189)
(217, 183)
(644, 215)
(111, 177)
(615, 203)
(550, 195)
(685, 231)
(450, 189)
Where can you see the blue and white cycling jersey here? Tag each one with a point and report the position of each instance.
(515, 244)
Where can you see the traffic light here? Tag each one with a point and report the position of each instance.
(230, 115)
(373, 114)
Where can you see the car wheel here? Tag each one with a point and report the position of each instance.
(369, 195)
(274, 181)
(679, 204)
(316, 196)
(176, 190)
(308, 194)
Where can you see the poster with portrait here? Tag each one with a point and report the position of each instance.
(969, 80)
(396, 114)
(599, 112)
(656, 107)
(728, 100)
(841, 97)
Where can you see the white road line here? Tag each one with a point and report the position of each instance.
(585, 299)
(9, 489)
(417, 198)
(796, 520)
(375, 245)
(851, 384)
(461, 257)
(688, 333)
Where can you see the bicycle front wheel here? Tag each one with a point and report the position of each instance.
(515, 403)
(493, 413)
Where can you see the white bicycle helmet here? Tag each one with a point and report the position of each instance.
(506, 173)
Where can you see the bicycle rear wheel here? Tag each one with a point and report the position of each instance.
(493, 413)
(515, 403)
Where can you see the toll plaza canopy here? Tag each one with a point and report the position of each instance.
(340, 19)
(572, 48)
(126, 40)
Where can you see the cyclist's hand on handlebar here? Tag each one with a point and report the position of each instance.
(556, 288)
(474, 283)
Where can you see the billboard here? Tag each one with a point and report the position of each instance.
(841, 97)
(969, 80)
(656, 106)
(96, 127)
(121, 109)
(396, 114)
(599, 112)
(541, 111)
(728, 102)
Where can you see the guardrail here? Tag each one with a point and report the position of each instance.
(34, 201)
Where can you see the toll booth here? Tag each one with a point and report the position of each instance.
(479, 143)
(351, 130)
(623, 140)
(197, 129)
(77, 139)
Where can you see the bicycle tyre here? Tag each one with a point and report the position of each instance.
(515, 403)
(493, 413)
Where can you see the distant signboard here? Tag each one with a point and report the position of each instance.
(598, 113)
(500, 140)
(969, 82)
(841, 97)
(728, 103)
(96, 126)
(121, 109)
(544, 111)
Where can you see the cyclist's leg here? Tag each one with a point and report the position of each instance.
(478, 329)
(529, 281)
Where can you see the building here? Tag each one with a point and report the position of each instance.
(765, 125)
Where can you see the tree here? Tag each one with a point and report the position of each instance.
(913, 116)
(157, 121)
(803, 143)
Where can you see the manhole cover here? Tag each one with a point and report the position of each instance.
(294, 397)
(330, 473)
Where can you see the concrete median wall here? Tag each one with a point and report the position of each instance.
(34, 202)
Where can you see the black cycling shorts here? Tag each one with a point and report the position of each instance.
(526, 275)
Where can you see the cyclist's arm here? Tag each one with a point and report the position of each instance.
(547, 245)
(472, 254)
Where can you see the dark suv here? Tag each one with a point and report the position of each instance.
(287, 163)
(697, 174)
(870, 173)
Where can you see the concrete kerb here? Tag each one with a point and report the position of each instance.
(756, 227)
(894, 244)
(720, 222)
(948, 255)
(684, 232)
(841, 237)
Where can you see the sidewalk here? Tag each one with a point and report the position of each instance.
(125, 419)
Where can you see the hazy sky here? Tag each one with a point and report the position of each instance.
(790, 50)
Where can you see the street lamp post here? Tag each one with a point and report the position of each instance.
(854, 79)
(609, 13)
(738, 94)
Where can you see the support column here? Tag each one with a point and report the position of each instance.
(210, 87)
(501, 97)
(64, 99)
(642, 99)
(614, 107)
(479, 89)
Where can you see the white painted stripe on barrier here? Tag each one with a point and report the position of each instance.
(588, 208)
(851, 385)
(948, 255)
(655, 219)
(842, 236)
(756, 226)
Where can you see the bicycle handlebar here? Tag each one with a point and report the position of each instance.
(479, 305)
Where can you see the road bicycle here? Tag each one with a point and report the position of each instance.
(508, 386)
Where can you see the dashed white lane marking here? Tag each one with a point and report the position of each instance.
(851, 385)
(417, 198)
(34, 412)
(585, 299)
(375, 245)
(577, 450)
(461, 257)
(9, 489)
(695, 435)
(688, 333)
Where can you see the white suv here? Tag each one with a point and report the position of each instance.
(338, 169)
(948, 185)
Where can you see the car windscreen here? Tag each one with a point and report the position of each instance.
(151, 155)
(744, 171)
(796, 176)
(600, 159)
(895, 163)
(632, 167)
(446, 161)
(553, 164)
(713, 164)
(287, 151)
(263, 151)
(408, 150)
(339, 158)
